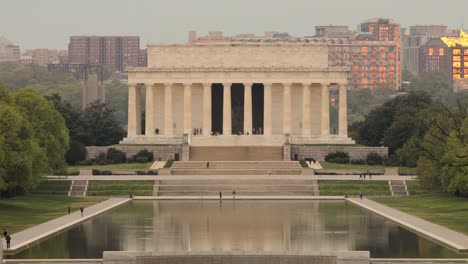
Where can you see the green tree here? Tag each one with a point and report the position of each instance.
(103, 128)
(444, 160)
(22, 160)
(47, 124)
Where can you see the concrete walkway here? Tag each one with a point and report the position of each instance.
(440, 234)
(230, 177)
(42, 231)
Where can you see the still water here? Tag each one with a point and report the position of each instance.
(295, 226)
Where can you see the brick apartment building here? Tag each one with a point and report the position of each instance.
(117, 52)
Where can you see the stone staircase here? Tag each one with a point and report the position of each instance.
(78, 188)
(398, 187)
(236, 168)
(236, 153)
(242, 187)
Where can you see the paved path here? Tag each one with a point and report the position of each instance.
(230, 177)
(22, 239)
(429, 230)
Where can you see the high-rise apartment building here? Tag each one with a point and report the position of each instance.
(117, 52)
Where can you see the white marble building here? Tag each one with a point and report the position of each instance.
(236, 95)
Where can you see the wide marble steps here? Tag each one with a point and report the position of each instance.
(237, 153)
(236, 168)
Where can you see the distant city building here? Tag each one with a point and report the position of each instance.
(418, 36)
(8, 50)
(381, 29)
(333, 31)
(434, 56)
(117, 52)
(459, 57)
(44, 56)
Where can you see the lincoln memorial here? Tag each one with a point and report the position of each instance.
(236, 94)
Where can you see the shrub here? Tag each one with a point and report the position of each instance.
(140, 172)
(144, 153)
(168, 164)
(303, 164)
(374, 158)
(76, 153)
(106, 172)
(337, 157)
(116, 156)
(96, 172)
(101, 159)
(141, 159)
(84, 163)
(358, 161)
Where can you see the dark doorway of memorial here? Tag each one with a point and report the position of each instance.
(257, 108)
(217, 108)
(237, 108)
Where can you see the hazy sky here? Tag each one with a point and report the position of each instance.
(49, 23)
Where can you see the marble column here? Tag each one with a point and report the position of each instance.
(149, 113)
(342, 112)
(325, 112)
(247, 108)
(267, 121)
(227, 122)
(188, 108)
(286, 108)
(132, 110)
(168, 127)
(306, 109)
(207, 109)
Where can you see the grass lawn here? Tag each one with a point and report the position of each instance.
(120, 188)
(354, 188)
(442, 209)
(329, 165)
(22, 212)
(122, 166)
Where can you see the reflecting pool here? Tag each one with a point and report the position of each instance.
(295, 226)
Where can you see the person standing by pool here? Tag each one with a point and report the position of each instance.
(8, 241)
(361, 194)
(81, 210)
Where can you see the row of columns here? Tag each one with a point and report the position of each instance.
(134, 109)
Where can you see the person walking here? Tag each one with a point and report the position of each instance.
(208, 165)
(361, 194)
(8, 241)
(81, 210)
(69, 209)
(234, 194)
(220, 196)
(370, 175)
(5, 231)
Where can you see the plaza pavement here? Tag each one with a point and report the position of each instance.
(440, 234)
(232, 177)
(39, 232)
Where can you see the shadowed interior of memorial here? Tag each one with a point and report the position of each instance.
(217, 108)
(257, 106)
(237, 108)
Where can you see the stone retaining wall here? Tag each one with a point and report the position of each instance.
(338, 257)
(161, 151)
(319, 152)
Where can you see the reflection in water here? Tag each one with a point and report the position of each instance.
(294, 226)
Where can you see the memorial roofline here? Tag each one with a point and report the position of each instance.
(238, 69)
(236, 44)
